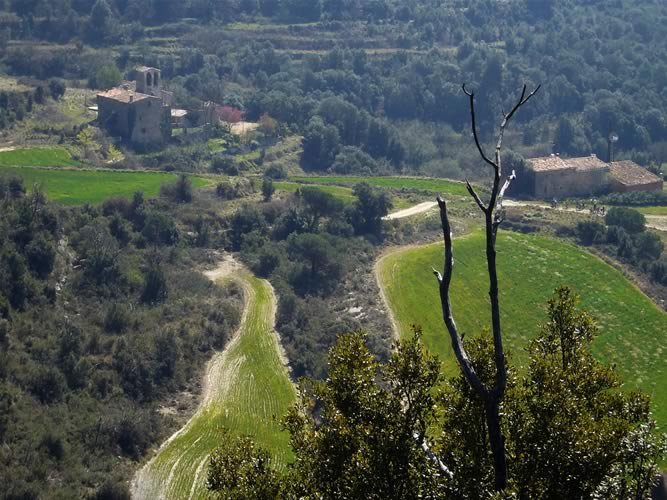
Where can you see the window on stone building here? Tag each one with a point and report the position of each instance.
(149, 80)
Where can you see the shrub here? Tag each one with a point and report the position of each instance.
(658, 271)
(112, 491)
(267, 189)
(48, 385)
(155, 285)
(589, 231)
(116, 319)
(276, 172)
(649, 246)
(627, 218)
(179, 191)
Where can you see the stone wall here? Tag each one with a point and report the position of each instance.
(113, 116)
(566, 182)
(147, 122)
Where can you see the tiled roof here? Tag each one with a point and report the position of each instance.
(121, 94)
(586, 163)
(629, 173)
(555, 162)
(545, 163)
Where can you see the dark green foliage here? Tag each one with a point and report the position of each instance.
(155, 284)
(48, 385)
(630, 220)
(180, 191)
(319, 204)
(245, 220)
(40, 254)
(57, 88)
(321, 269)
(159, 229)
(112, 491)
(116, 319)
(366, 214)
(649, 246)
(589, 231)
(99, 252)
(638, 198)
(658, 271)
(82, 359)
(267, 188)
(242, 471)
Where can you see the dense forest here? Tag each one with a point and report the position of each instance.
(376, 84)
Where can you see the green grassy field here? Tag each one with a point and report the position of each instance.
(248, 392)
(653, 210)
(425, 184)
(37, 157)
(633, 330)
(75, 187)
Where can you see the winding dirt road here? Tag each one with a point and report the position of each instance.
(414, 210)
(236, 395)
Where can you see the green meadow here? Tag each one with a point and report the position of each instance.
(75, 187)
(413, 183)
(248, 392)
(37, 157)
(633, 330)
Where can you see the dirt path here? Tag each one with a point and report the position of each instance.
(407, 212)
(160, 478)
(658, 222)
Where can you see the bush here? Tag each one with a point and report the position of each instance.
(639, 198)
(155, 285)
(48, 384)
(658, 271)
(267, 188)
(112, 491)
(276, 172)
(159, 229)
(179, 191)
(41, 255)
(649, 246)
(627, 218)
(588, 232)
(117, 319)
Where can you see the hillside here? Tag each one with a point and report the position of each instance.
(632, 329)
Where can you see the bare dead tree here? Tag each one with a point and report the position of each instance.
(491, 396)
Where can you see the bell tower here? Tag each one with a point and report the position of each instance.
(149, 80)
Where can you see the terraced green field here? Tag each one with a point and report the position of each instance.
(633, 330)
(37, 157)
(247, 391)
(443, 186)
(75, 187)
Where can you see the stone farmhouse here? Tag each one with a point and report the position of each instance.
(556, 177)
(139, 112)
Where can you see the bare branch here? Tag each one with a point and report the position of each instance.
(492, 396)
(421, 440)
(476, 197)
(507, 117)
(457, 344)
(471, 96)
